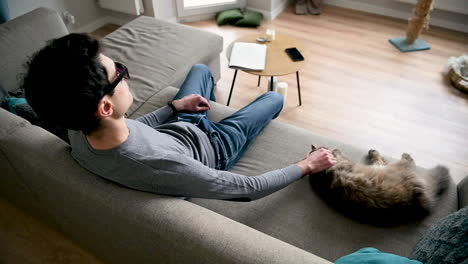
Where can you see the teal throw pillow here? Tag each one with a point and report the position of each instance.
(229, 16)
(374, 256)
(250, 19)
(11, 102)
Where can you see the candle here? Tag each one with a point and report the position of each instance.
(270, 34)
(282, 88)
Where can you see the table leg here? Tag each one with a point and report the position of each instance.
(271, 83)
(298, 87)
(258, 85)
(232, 87)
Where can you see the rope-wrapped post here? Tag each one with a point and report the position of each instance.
(419, 20)
(416, 24)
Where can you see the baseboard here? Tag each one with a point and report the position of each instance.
(441, 18)
(172, 20)
(90, 27)
(268, 15)
(194, 18)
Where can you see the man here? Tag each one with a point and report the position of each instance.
(174, 150)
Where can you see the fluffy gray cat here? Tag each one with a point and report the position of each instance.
(380, 192)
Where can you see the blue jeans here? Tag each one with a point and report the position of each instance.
(233, 135)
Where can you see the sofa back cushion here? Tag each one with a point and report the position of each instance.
(446, 241)
(22, 37)
(463, 193)
(158, 54)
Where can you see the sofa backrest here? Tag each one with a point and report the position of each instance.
(463, 193)
(22, 37)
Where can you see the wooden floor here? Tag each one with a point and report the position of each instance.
(24, 240)
(357, 88)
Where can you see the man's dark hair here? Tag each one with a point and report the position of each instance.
(65, 81)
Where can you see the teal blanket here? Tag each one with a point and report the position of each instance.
(374, 256)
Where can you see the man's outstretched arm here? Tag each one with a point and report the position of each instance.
(180, 175)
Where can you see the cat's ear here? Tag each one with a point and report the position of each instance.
(313, 147)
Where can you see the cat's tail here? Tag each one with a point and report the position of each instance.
(441, 179)
(438, 181)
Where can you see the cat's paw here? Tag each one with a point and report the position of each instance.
(406, 156)
(373, 153)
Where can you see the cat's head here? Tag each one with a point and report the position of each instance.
(314, 148)
(335, 152)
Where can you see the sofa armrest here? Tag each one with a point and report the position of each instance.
(21, 37)
(199, 235)
(463, 193)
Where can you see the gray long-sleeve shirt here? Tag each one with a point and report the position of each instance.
(174, 159)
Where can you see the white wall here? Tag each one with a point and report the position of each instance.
(89, 16)
(264, 5)
(403, 10)
(165, 10)
(205, 13)
(269, 8)
(85, 11)
(455, 6)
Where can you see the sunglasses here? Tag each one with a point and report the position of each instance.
(122, 73)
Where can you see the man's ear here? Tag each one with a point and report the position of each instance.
(105, 108)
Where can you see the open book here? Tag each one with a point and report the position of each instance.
(248, 56)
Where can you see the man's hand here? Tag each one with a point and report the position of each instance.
(317, 161)
(192, 103)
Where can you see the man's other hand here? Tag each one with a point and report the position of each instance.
(192, 103)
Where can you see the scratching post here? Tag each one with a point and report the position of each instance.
(418, 22)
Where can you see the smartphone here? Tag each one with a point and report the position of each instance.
(294, 54)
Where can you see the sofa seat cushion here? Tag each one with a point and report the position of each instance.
(296, 215)
(159, 54)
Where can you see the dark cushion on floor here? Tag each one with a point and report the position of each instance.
(230, 16)
(250, 19)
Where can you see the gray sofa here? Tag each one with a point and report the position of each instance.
(121, 225)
